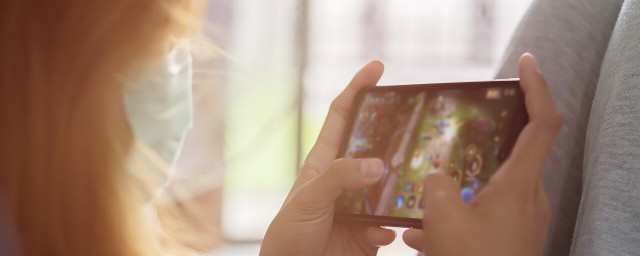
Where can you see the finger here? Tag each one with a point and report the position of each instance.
(413, 238)
(535, 140)
(379, 236)
(326, 147)
(362, 244)
(328, 143)
(441, 196)
(540, 105)
(320, 193)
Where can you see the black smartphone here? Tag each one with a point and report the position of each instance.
(464, 129)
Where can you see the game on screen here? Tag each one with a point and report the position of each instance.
(461, 132)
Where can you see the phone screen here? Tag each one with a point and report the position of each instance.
(466, 130)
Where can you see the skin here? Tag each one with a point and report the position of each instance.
(510, 216)
(304, 225)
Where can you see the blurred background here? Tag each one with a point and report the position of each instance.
(261, 102)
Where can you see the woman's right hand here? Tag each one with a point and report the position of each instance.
(510, 216)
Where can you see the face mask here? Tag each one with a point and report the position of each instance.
(158, 105)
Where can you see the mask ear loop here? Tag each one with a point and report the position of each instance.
(149, 171)
(177, 44)
(180, 52)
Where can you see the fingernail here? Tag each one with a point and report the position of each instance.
(532, 59)
(371, 168)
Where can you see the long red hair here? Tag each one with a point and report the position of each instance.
(64, 138)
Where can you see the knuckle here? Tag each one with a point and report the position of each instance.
(334, 104)
(310, 196)
(336, 107)
(308, 170)
(304, 196)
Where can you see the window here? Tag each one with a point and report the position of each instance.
(284, 61)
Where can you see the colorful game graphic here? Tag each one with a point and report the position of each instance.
(383, 129)
(461, 132)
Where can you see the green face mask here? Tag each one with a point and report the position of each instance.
(159, 107)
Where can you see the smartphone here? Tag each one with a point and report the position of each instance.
(464, 129)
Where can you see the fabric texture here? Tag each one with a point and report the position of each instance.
(569, 39)
(608, 221)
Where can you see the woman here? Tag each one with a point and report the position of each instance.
(72, 75)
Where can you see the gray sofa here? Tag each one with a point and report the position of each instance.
(589, 52)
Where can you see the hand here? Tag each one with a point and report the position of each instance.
(510, 216)
(304, 225)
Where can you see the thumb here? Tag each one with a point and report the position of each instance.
(441, 198)
(351, 174)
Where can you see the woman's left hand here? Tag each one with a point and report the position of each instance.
(510, 216)
(305, 224)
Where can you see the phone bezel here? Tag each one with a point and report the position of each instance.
(521, 119)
